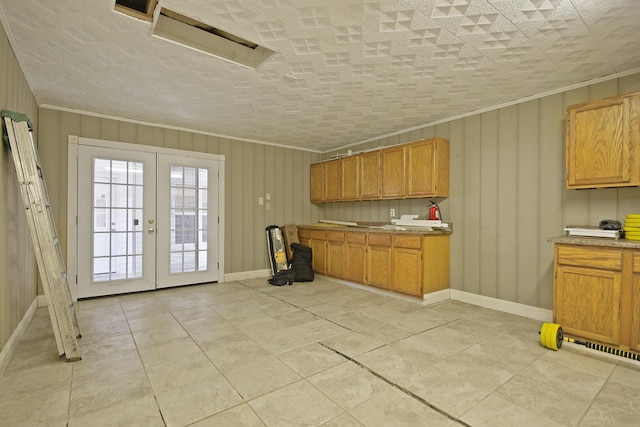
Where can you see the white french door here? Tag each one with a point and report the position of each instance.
(145, 220)
(187, 221)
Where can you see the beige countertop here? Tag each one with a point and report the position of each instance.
(376, 229)
(596, 241)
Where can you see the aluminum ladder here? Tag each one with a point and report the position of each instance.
(18, 134)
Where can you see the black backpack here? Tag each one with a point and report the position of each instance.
(301, 263)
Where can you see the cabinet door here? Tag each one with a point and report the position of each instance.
(318, 245)
(335, 254)
(355, 255)
(635, 314)
(407, 264)
(379, 261)
(317, 182)
(421, 168)
(635, 304)
(587, 302)
(319, 254)
(332, 180)
(598, 144)
(393, 177)
(370, 185)
(350, 178)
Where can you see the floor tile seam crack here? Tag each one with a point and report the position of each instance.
(418, 333)
(146, 374)
(307, 311)
(399, 387)
(431, 329)
(155, 398)
(595, 398)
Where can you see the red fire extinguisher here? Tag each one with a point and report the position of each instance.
(434, 211)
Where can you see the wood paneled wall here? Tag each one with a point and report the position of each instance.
(507, 194)
(18, 269)
(252, 170)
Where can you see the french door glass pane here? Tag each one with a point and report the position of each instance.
(188, 219)
(117, 220)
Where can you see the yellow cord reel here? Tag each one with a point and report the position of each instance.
(551, 336)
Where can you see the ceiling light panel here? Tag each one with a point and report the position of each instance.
(182, 30)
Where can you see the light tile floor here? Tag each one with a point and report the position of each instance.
(322, 353)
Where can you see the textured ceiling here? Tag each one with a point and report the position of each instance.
(361, 69)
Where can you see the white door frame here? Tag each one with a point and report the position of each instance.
(72, 196)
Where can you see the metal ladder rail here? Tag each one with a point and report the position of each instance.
(56, 261)
(44, 238)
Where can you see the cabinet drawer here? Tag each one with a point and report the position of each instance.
(376, 239)
(636, 262)
(335, 236)
(357, 238)
(607, 259)
(409, 242)
(319, 234)
(304, 233)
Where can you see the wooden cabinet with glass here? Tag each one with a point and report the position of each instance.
(603, 143)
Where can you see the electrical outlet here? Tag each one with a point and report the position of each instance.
(392, 212)
(260, 201)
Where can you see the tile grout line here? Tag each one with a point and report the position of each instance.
(397, 386)
(144, 366)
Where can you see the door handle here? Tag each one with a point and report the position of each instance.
(151, 230)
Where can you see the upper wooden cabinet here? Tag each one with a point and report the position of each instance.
(317, 182)
(350, 178)
(603, 143)
(427, 168)
(413, 170)
(325, 181)
(370, 174)
(393, 172)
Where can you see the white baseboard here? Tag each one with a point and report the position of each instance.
(42, 301)
(437, 296)
(244, 275)
(510, 307)
(14, 339)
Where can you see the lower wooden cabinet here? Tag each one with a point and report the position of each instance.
(412, 264)
(335, 253)
(635, 303)
(597, 293)
(318, 245)
(379, 261)
(356, 257)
